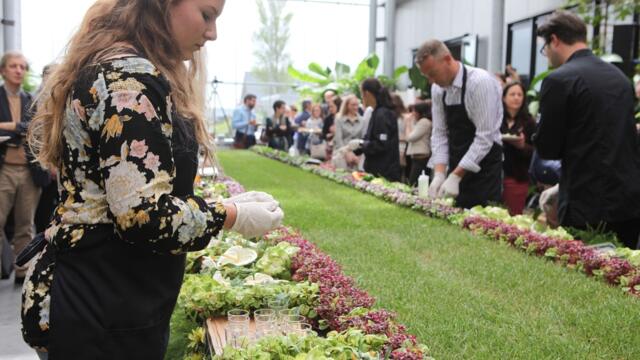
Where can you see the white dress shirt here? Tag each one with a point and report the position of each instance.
(483, 102)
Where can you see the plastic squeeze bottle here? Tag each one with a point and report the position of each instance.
(423, 186)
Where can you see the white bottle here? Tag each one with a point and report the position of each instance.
(423, 186)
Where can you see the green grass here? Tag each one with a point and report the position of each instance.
(463, 295)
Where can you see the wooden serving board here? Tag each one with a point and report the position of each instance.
(215, 331)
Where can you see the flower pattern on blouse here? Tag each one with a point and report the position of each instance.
(118, 169)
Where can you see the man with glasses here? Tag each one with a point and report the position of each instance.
(587, 121)
(467, 114)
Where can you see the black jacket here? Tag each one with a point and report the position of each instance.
(40, 176)
(587, 121)
(381, 147)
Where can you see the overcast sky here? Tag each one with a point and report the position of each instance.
(324, 33)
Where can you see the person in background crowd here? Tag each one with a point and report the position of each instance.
(21, 180)
(291, 112)
(546, 175)
(49, 196)
(327, 97)
(419, 139)
(301, 122)
(349, 126)
(517, 128)
(109, 276)
(467, 113)
(510, 75)
(244, 123)
(587, 121)
(278, 128)
(380, 144)
(403, 118)
(329, 128)
(314, 126)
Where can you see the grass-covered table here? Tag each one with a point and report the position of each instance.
(463, 295)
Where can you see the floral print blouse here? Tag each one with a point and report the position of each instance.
(118, 169)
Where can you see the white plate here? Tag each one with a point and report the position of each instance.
(4, 138)
(510, 137)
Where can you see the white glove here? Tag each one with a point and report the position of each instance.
(436, 183)
(249, 196)
(549, 196)
(451, 187)
(257, 218)
(354, 144)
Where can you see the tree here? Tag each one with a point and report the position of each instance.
(597, 13)
(270, 42)
(340, 79)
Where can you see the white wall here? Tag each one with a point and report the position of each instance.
(419, 20)
(515, 10)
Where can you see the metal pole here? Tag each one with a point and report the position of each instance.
(390, 30)
(496, 41)
(373, 24)
(11, 24)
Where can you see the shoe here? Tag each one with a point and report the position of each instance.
(19, 280)
(4, 276)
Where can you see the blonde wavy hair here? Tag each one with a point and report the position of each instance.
(344, 108)
(107, 28)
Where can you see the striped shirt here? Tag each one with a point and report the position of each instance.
(483, 102)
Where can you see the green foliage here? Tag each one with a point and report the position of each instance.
(203, 297)
(348, 345)
(270, 41)
(597, 14)
(319, 78)
(419, 81)
(28, 83)
(534, 95)
(181, 327)
(467, 297)
(593, 236)
(276, 260)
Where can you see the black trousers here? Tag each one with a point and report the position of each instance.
(248, 142)
(627, 231)
(417, 167)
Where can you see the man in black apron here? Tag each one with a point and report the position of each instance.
(466, 138)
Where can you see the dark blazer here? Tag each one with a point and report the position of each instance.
(381, 145)
(587, 121)
(40, 176)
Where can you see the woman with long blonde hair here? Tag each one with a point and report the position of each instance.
(121, 120)
(349, 126)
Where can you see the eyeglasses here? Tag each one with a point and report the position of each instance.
(543, 49)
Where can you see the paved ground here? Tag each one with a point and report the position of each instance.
(11, 344)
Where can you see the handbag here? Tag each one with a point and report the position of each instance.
(30, 251)
(318, 151)
(264, 138)
(240, 142)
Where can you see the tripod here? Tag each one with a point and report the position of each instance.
(214, 100)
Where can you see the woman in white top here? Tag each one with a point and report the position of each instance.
(314, 126)
(349, 126)
(418, 135)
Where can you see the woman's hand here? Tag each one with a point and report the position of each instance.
(351, 159)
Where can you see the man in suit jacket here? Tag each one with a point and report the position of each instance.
(20, 178)
(587, 121)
